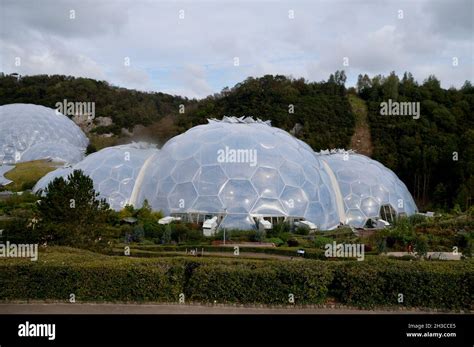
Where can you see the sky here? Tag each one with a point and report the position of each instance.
(190, 48)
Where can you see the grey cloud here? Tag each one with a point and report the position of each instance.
(186, 55)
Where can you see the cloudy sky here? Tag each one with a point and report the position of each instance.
(190, 48)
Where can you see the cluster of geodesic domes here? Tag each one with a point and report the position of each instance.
(241, 168)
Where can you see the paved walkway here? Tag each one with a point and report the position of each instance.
(82, 308)
(430, 255)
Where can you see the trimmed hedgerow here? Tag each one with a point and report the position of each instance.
(267, 283)
(371, 283)
(378, 282)
(92, 281)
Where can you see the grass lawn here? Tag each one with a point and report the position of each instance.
(25, 175)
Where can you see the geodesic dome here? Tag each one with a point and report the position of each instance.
(239, 168)
(368, 189)
(114, 170)
(50, 176)
(31, 132)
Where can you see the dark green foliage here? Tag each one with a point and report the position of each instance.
(376, 282)
(16, 214)
(70, 213)
(322, 109)
(440, 233)
(127, 108)
(260, 283)
(421, 150)
(370, 283)
(92, 282)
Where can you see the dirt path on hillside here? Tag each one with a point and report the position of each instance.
(361, 141)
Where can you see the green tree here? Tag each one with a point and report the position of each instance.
(71, 213)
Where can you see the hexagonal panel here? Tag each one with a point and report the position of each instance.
(209, 180)
(239, 170)
(316, 214)
(208, 204)
(117, 200)
(311, 191)
(348, 175)
(238, 196)
(352, 201)
(268, 207)
(268, 182)
(126, 186)
(182, 197)
(108, 186)
(311, 174)
(360, 188)
(292, 174)
(185, 170)
(121, 171)
(240, 221)
(181, 147)
(370, 207)
(345, 188)
(294, 201)
(380, 193)
(355, 218)
(269, 158)
(326, 198)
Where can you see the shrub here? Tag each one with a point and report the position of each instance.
(292, 243)
(92, 281)
(378, 282)
(277, 241)
(278, 229)
(258, 282)
(421, 246)
(302, 231)
(367, 284)
(321, 241)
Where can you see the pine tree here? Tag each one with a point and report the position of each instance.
(71, 212)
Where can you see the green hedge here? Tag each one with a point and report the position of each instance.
(92, 282)
(267, 283)
(370, 283)
(440, 284)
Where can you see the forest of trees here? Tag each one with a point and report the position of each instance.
(321, 109)
(433, 155)
(127, 108)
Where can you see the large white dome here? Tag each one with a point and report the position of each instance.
(114, 170)
(241, 169)
(368, 189)
(31, 132)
